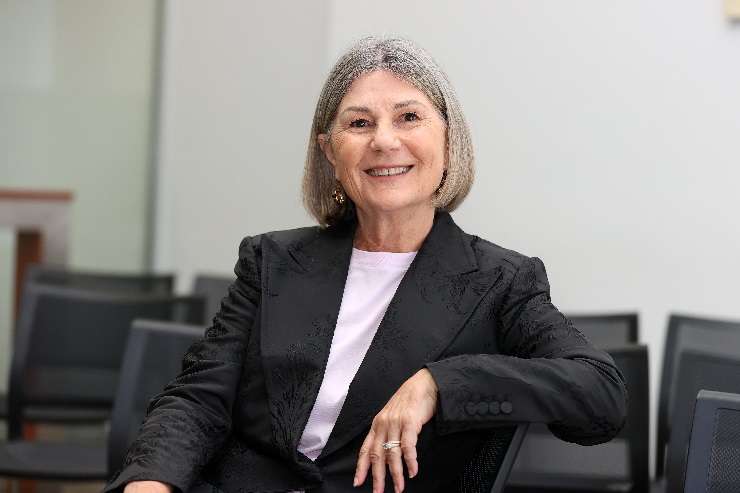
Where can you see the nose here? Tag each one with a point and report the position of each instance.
(385, 138)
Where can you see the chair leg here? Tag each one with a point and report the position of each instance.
(30, 432)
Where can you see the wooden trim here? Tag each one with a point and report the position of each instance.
(28, 194)
(29, 250)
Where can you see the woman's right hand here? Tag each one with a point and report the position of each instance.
(147, 487)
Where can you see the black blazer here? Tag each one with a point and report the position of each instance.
(478, 316)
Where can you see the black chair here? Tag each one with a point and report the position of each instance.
(547, 464)
(713, 464)
(608, 330)
(111, 282)
(687, 333)
(68, 349)
(153, 357)
(121, 283)
(488, 471)
(213, 289)
(697, 370)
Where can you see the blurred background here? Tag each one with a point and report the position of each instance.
(607, 135)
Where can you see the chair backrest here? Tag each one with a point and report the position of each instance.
(713, 465)
(69, 344)
(608, 329)
(488, 471)
(687, 333)
(52, 275)
(153, 357)
(213, 289)
(633, 362)
(548, 460)
(696, 371)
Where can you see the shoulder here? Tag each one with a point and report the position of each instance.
(491, 255)
(526, 272)
(279, 240)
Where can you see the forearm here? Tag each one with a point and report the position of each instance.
(189, 421)
(177, 439)
(581, 397)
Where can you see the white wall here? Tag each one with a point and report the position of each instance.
(606, 136)
(240, 83)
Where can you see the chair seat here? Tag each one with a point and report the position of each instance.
(535, 483)
(50, 460)
(58, 414)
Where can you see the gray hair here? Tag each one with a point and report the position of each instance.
(411, 63)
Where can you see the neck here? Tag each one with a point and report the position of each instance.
(401, 231)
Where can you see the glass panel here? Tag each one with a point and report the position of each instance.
(76, 98)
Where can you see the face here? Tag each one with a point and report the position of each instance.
(387, 145)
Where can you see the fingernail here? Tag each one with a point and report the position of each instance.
(354, 482)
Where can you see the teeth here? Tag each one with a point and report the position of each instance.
(388, 171)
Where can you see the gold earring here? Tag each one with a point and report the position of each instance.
(338, 195)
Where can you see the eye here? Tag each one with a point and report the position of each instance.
(410, 116)
(359, 123)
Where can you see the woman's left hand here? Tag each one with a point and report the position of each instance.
(401, 419)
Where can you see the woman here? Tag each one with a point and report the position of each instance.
(385, 338)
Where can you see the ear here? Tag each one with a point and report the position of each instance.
(325, 145)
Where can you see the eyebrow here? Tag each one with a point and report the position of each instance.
(357, 109)
(408, 102)
(365, 109)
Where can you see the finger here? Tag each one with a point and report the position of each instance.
(393, 456)
(377, 459)
(409, 436)
(363, 459)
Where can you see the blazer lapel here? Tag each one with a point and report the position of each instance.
(301, 301)
(437, 294)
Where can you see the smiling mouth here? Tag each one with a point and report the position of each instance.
(397, 170)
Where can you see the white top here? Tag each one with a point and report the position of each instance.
(372, 280)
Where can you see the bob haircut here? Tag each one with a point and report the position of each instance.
(404, 59)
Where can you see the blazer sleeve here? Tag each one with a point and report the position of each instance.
(187, 423)
(547, 372)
